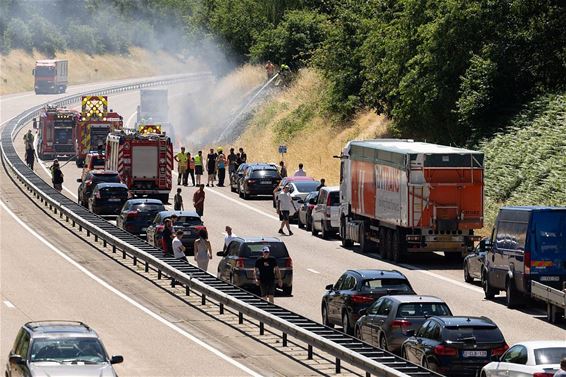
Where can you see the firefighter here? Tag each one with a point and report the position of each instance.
(28, 140)
(269, 69)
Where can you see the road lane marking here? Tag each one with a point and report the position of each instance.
(129, 299)
(9, 304)
(437, 276)
(313, 271)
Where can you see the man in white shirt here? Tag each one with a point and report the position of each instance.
(285, 205)
(228, 238)
(300, 172)
(178, 248)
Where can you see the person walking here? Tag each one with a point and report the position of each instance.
(300, 172)
(282, 169)
(228, 238)
(199, 167)
(243, 156)
(190, 170)
(30, 157)
(203, 250)
(56, 176)
(28, 140)
(322, 184)
(181, 159)
(167, 238)
(198, 200)
(178, 201)
(285, 205)
(211, 167)
(562, 371)
(267, 270)
(221, 167)
(231, 165)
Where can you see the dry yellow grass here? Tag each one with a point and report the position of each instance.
(16, 67)
(315, 144)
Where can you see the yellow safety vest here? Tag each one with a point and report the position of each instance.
(182, 157)
(198, 160)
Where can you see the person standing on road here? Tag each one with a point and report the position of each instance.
(285, 205)
(181, 159)
(198, 200)
(562, 371)
(282, 169)
(28, 140)
(178, 201)
(221, 167)
(30, 157)
(231, 165)
(211, 167)
(178, 248)
(266, 268)
(57, 176)
(300, 172)
(199, 167)
(203, 250)
(167, 238)
(190, 170)
(243, 156)
(228, 238)
(322, 184)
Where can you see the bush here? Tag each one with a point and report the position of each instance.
(18, 35)
(83, 38)
(45, 36)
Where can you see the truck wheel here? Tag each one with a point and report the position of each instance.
(365, 244)
(345, 241)
(397, 247)
(387, 244)
(488, 291)
(513, 298)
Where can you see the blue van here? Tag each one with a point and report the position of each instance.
(527, 243)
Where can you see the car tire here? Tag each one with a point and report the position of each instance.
(364, 242)
(325, 320)
(288, 290)
(358, 333)
(90, 207)
(314, 232)
(403, 353)
(467, 277)
(232, 189)
(323, 231)
(512, 298)
(346, 326)
(383, 342)
(299, 222)
(308, 224)
(488, 292)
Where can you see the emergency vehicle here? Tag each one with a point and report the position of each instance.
(144, 159)
(95, 123)
(56, 132)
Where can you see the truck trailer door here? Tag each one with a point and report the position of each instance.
(144, 159)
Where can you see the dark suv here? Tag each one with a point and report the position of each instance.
(137, 214)
(355, 290)
(108, 198)
(259, 179)
(59, 348)
(187, 221)
(91, 179)
(238, 263)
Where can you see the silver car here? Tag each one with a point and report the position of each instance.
(386, 321)
(326, 213)
(59, 348)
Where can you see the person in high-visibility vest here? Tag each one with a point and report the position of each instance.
(199, 167)
(181, 159)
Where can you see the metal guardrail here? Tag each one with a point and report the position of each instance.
(343, 347)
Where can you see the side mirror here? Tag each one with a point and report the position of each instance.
(409, 333)
(329, 287)
(79, 180)
(116, 359)
(17, 359)
(220, 254)
(363, 312)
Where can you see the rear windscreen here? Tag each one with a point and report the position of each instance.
(393, 284)
(97, 161)
(107, 178)
(549, 355)
(423, 309)
(188, 221)
(550, 229)
(143, 207)
(307, 186)
(480, 334)
(253, 249)
(108, 191)
(264, 174)
(334, 198)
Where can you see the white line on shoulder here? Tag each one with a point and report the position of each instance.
(9, 304)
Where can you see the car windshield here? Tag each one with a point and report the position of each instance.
(306, 186)
(253, 249)
(551, 355)
(264, 173)
(188, 221)
(148, 207)
(87, 350)
(423, 309)
(489, 334)
(43, 71)
(389, 284)
(97, 161)
(550, 231)
(108, 178)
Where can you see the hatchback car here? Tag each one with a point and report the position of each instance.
(534, 359)
(108, 198)
(59, 348)
(137, 214)
(258, 179)
(356, 290)
(385, 322)
(236, 176)
(91, 179)
(284, 182)
(326, 213)
(305, 208)
(474, 262)
(454, 346)
(187, 221)
(93, 161)
(238, 262)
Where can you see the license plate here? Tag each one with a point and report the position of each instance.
(475, 354)
(187, 232)
(265, 182)
(114, 200)
(550, 278)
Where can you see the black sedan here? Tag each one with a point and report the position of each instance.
(138, 214)
(108, 198)
(356, 290)
(258, 179)
(454, 346)
(187, 221)
(474, 262)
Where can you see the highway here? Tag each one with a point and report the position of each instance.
(44, 285)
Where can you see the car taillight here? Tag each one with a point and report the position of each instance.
(240, 263)
(361, 299)
(132, 214)
(251, 181)
(311, 206)
(88, 183)
(400, 323)
(198, 228)
(543, 374)
(288, 262)
(527, 258)
(498, 351)
(441, 350)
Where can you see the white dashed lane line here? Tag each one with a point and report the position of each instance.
(9, 304)
(313, 271)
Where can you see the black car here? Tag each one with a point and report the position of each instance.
(187, 221)
(91, 179)
(238, 263)
(455, 345)
(137, 214)
(474, 262)
(258, 179)
(356, 290)
(304, 216)
(108, 198)
(236, 176)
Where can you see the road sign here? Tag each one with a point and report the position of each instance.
(282, 149)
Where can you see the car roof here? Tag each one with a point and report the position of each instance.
(259, 166)
(466, 321)
(110, 184)
(260, 239)
(144, 201)
(404, 299)
(533, 208)
(46, 328)
(103, 172)
(534, 344)
(331, 188)
(384, 274)
(178, 213)
(300, 178)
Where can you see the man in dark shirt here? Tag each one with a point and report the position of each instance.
(167, 238)
(322, 184)
(211, 167)
(266, 268)
(198, 200)
(231, 164)
(243, 156)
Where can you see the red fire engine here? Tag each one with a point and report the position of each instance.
(56, 132)
(95, 123)
(144, 159)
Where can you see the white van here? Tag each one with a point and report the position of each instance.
(326, 213)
